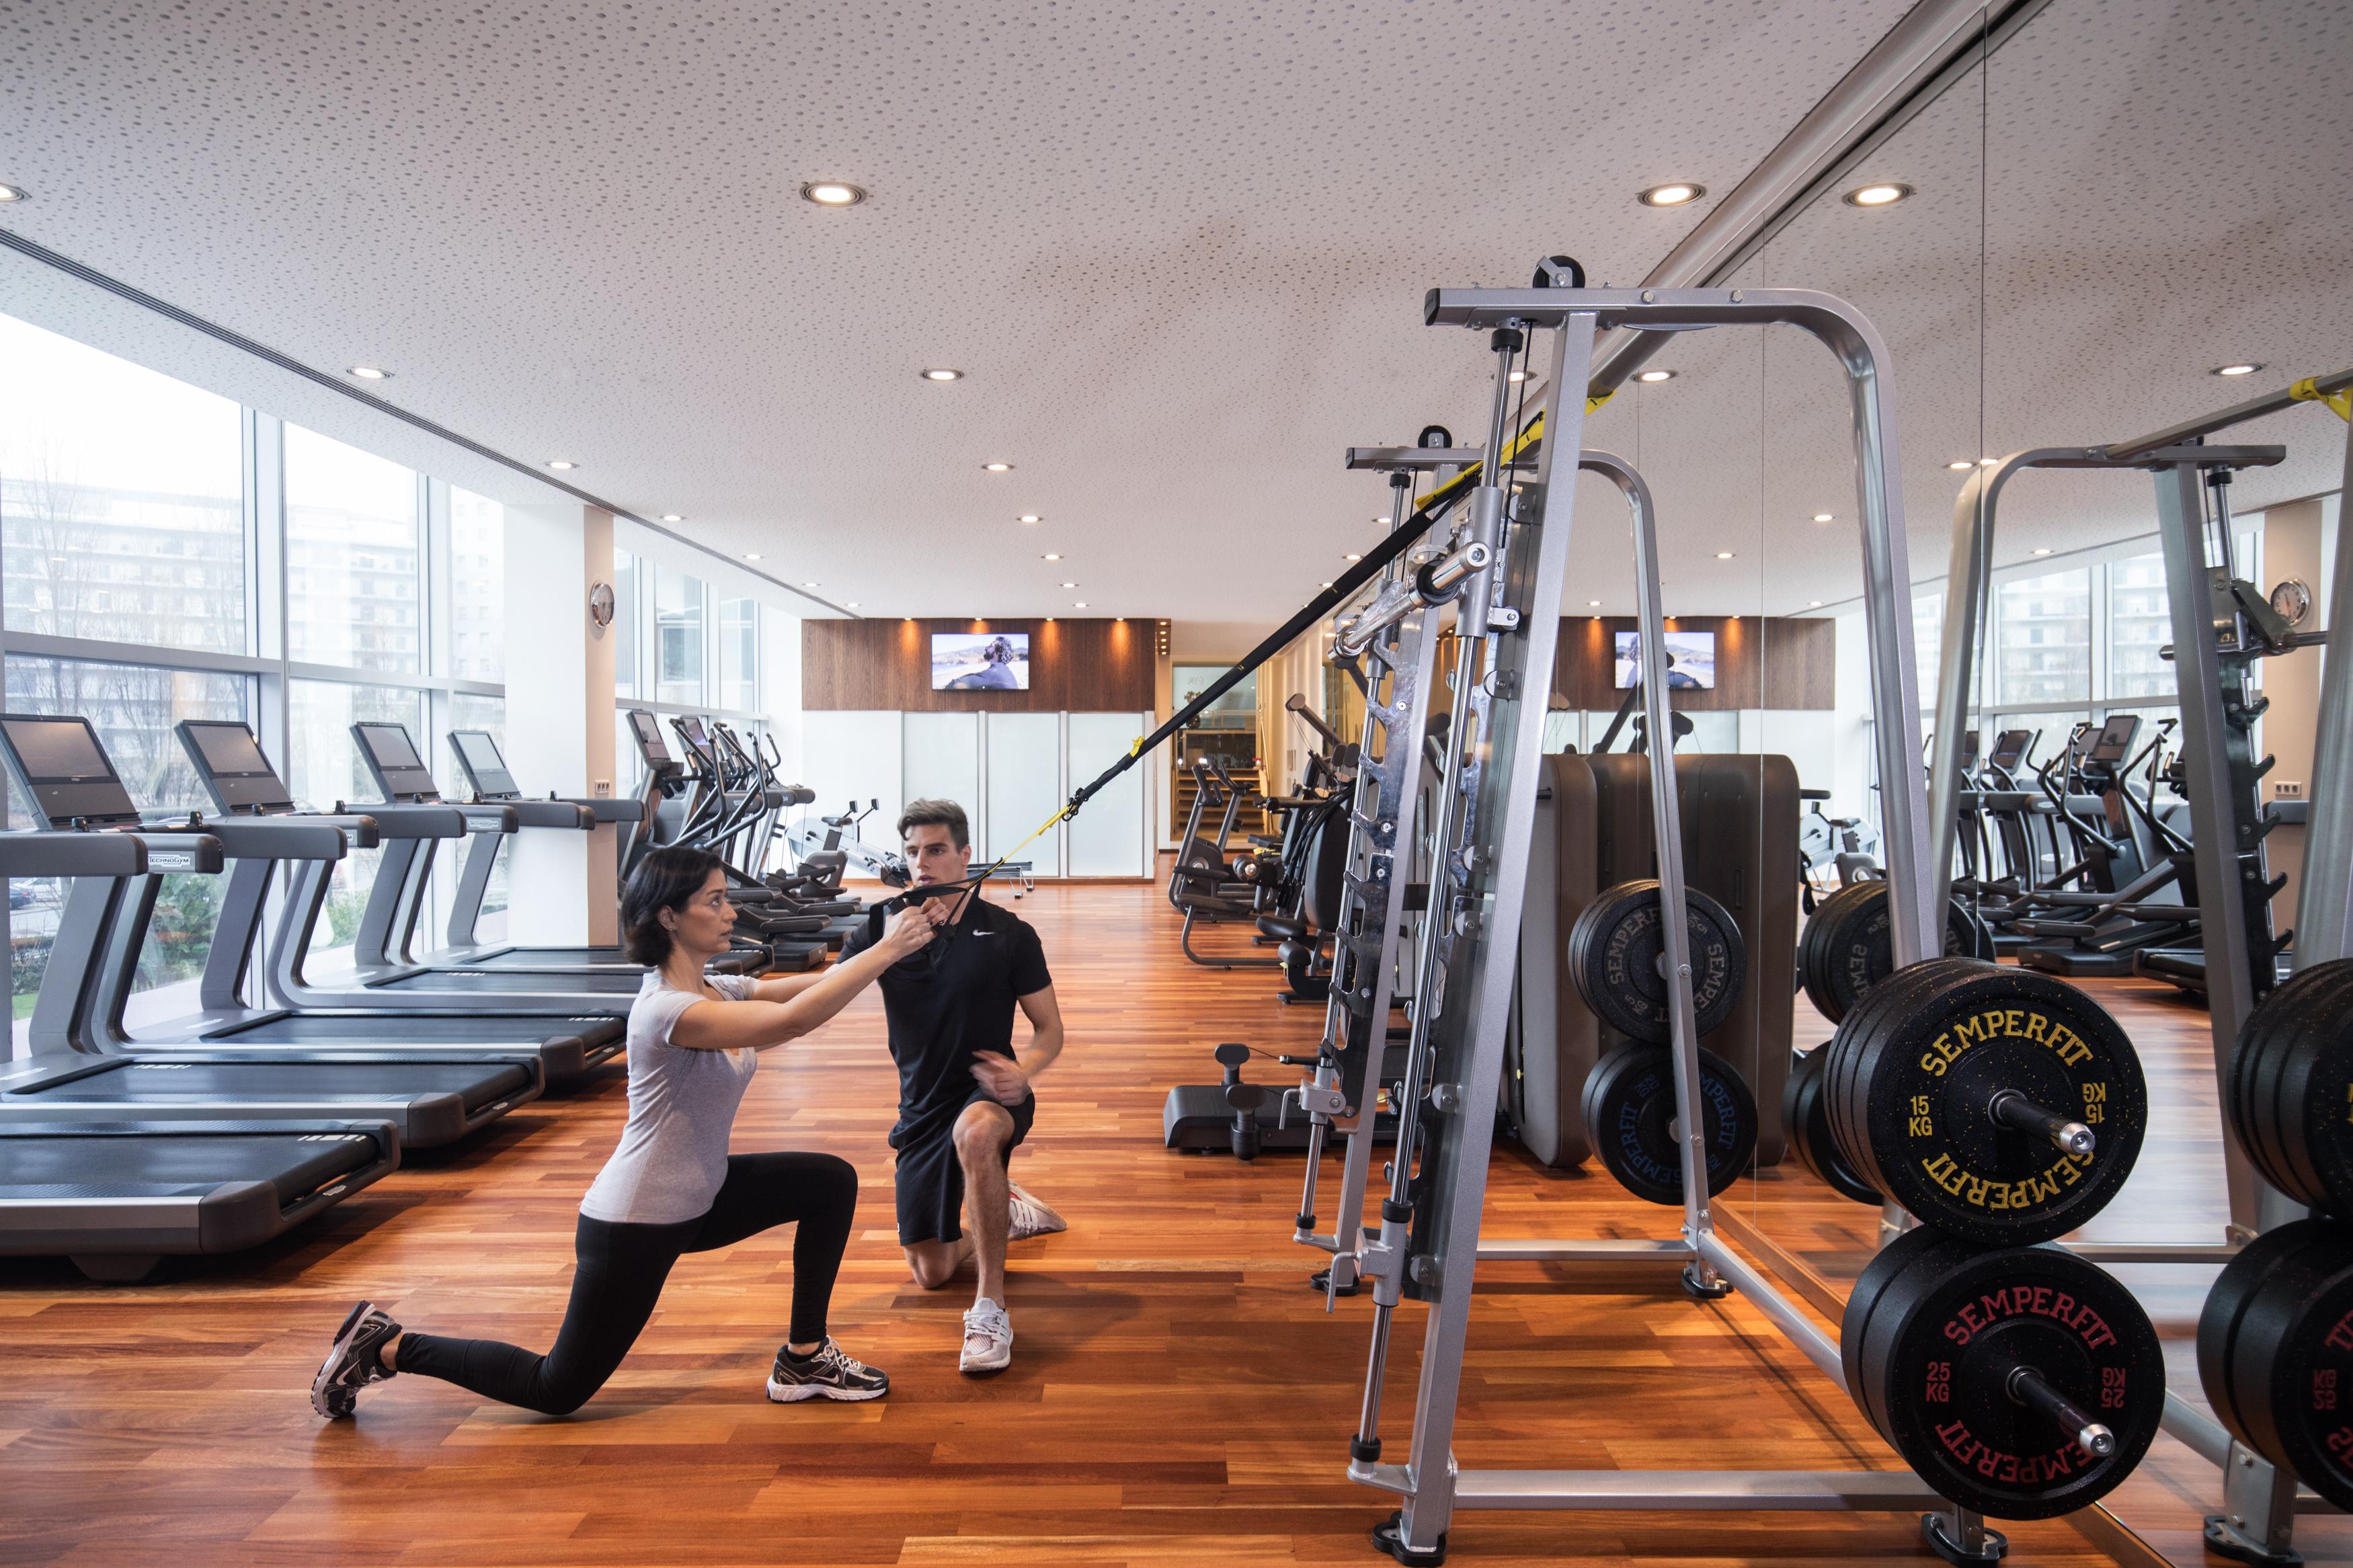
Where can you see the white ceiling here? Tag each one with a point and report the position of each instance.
(1178, 249)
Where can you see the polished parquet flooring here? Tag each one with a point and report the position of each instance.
(1177, 1394)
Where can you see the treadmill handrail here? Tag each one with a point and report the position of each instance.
(396, 820)
(41, 852)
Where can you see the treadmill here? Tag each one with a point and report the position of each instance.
(115, 1195)
(242, 785)
(490, 782)
(75, 1072)
(386, 973)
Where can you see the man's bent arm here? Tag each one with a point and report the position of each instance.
(1045, 1015)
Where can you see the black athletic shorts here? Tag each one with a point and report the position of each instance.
(930, 1179)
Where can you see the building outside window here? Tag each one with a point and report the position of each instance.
(739, 654)
(678, 637)
(625, 624)
(352, 558)
(120, 499)
(478, 581)
(2044, 623)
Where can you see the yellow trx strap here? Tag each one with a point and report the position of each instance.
(2339, 402)
(1041, 831)
(1518, 444)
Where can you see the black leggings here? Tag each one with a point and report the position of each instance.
(620, 1275)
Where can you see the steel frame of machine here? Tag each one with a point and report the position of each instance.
(2228, 823)
(1428, 1245)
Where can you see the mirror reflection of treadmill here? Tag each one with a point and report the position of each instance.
(80, 1066)
(489, 781)
(231, 767)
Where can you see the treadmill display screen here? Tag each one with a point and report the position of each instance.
(2009, 747)
(696, 736)
(58, 751)
(478, 753)
(232, 766)
(60, 764)
(400, 773)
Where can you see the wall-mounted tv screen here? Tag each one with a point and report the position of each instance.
(1691, 661)
(980, 661)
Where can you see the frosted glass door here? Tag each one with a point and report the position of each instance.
(943, 762)
(851, 755)
(1024, 785)
(1107, 837)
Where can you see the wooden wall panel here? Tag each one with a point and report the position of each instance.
(1075, 666)
(1759, 662)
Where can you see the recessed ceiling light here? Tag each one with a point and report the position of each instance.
(1592, 603)
(832, 194)
(754, 555)
(1821, 516)
(1655, 376)
(1879, 195)
(1069, 584)
(561, 465)
(1352, 558)
(808, 584)
(1517, 376)
(850, 604)
(1675, 194)
(1328, 584)
(1080, 605)
(1723, 555)
(2242, 368)
(1960, 464)
(1051, 556)
(1813, 603)
(371, 373)
(1988, 462)
(997, 468)
(2044, 551)
(671, 517)
(15, 194)
(942, 373)
(1029, 517)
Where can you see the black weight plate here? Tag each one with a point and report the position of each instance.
(1937, 1345)
(1848, 947)
(1882, 1010)
(2226, 1305)
(1805, 1116)
(1920, 1085)
(1916, 1247)
(2292, 1086)
(1616, 958)
(1630, 1112)
(2290, 1367)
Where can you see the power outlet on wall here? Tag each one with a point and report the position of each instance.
(601, 788)
(2287, 789)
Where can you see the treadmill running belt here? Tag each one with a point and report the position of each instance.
(178, 1083)
(39, 1162)
(405, 1028)
(628, 985)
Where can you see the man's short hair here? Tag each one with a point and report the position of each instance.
(944, 813)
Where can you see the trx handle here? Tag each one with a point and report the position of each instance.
(1433, 506)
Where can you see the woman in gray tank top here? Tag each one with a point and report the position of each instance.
(671, 1187)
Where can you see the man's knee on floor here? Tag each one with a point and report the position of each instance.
(932, 1267)
(983, 1132)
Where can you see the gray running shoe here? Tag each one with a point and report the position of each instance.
(355, 1361)
(830, 1374)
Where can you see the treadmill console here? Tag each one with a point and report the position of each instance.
(2115, 739)
(1969, 744)
(2010, 749)
(229, 762)
(391, 756)
(484, 766)
(698, 739)
(63, 770)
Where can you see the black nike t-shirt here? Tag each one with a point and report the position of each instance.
(949, 1003)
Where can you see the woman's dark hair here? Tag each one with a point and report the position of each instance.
(666, 879)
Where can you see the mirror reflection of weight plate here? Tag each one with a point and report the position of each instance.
(1616, 959)
(1806, 1118)
(1847, 947)
(1630, 1117)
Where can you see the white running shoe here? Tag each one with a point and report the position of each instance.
(1030, 1216)
(986, 1327)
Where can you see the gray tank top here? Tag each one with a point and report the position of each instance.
(673, 1151)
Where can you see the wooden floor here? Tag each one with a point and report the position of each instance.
(1177, 1395)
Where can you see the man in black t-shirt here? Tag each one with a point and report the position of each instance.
(965, 1099)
